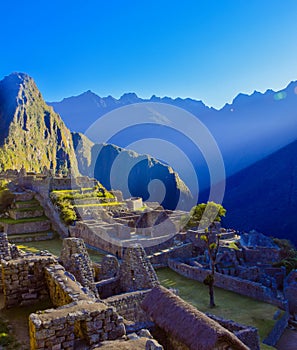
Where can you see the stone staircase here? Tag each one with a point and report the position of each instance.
(27, 221)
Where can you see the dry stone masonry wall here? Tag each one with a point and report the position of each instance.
(244, 287)
(24, 280)
(75, 258)
(63, 287)
(136, 271)
(58, 329)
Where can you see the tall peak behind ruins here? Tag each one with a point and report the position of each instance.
(31, 133)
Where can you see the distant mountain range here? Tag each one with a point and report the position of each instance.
(257, 135)
(247, 130)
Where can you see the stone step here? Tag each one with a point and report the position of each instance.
(25, 226)
(31, 237)
(26, 204)
(23, 196)
(26, 213)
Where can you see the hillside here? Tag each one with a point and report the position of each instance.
(264, 196)
(31, 133)
(134, 174)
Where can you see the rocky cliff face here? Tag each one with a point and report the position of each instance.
(31, 133)
(134, 174)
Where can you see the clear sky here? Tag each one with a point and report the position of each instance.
(209, 50)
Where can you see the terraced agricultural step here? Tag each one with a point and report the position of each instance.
(23, 196)
(23, 213)
(31, 237)
(26, 204)
(24, 226)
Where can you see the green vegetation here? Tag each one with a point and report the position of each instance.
(205, 214)
(38, 137)
(65, 200)
(6, 197)
(288, 255)
(231, 306)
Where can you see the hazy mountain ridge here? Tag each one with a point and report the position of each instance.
(247, 130)
(118, 168)
(32, 134)
(264, 195)
(82, 110)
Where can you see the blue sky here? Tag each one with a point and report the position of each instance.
(209, 50)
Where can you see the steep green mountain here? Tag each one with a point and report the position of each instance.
(31, 133)
(264, 196)
(134, 174)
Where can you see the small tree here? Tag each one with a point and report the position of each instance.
(204, 216)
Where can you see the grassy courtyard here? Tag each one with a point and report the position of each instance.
(230, 305)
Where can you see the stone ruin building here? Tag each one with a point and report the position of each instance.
(124, 279)
(80, 315)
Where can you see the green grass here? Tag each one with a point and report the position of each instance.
(54, 246)
(22, 221)
(230, 305)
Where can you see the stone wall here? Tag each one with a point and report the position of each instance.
(26, 227)
(128, 305)
(75, 258)
(63, 287)
(290, 291)
(96, 236)
(52, 213)
(4, 247)
(29, 213)
(278, 329)
(233, 284)
(160, 259)
(108, 287)
(24, 280)
(262, 255)
(136, 271)
(58, 329)
(248, 335)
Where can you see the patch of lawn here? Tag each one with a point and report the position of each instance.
(230, 305)
(54, 246)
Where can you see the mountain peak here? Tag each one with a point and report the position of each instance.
(14, 80)
(129, 96)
